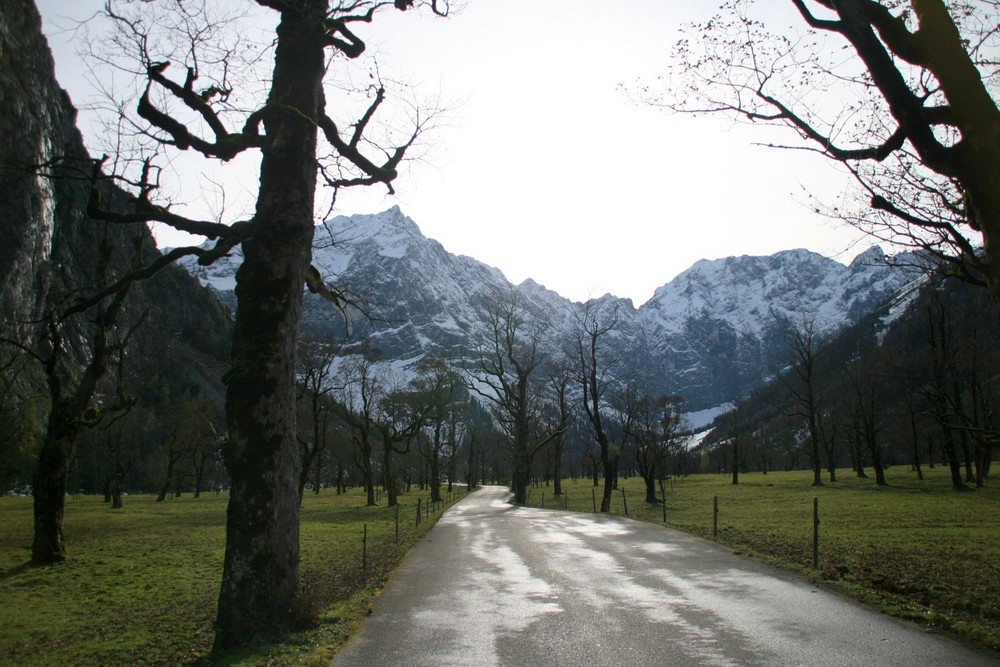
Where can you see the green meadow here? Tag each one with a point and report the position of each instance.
(141, 583)
(916, 549)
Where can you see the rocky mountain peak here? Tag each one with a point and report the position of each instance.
(711, 334)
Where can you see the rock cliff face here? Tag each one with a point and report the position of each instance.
(36, 125)
(711, 334)
(49, 248)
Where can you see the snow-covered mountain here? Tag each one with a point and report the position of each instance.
(711, 334)
(720, 327)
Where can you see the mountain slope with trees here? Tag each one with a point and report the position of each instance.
(912, 384)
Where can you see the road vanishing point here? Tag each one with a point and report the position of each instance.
(495, 584)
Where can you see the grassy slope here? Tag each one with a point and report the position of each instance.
(916, 549)
(141, 583)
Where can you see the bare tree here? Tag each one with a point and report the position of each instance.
(510, 351)
(316, 385)
(362, 386)
(398, 419)
(561, 377)
(912, 114)
(598, 319)
(863, 385)
(74, 395)
(442, 393)
(297, 137)
(654, 424)
(803, 382)
(943, 350)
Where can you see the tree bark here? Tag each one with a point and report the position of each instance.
(388, 475)
(260, 572)
(48, 545)
(650, 480)
(117, 490)
(435, 471)
(557, 472)
(172, 457)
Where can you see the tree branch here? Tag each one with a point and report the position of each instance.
(226, 146)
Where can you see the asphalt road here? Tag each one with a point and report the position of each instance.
(493, 584)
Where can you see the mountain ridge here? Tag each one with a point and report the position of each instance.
(710, 334)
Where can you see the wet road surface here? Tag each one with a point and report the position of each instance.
(493, 584)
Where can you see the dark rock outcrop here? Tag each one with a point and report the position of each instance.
(50, 250)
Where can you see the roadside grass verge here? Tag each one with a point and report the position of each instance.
(914, 549)
(141, 584)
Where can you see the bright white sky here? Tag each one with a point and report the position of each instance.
(547, 170)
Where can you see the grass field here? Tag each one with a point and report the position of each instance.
(141, 583)
(916, 549)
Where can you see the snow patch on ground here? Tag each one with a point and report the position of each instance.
(700, 419)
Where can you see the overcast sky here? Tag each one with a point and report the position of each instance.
(547, 169)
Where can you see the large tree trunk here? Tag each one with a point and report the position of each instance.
(952, 455)
(435, 464)
(470, 471)
(368, 475)
(817, 463)
(389, 476)
(117, 490)
(200, 460)
(169, 479)
(318, 475)
(557, 472)
(650, 479)
(520, 474)
(610, 472)
(260, 572)
(49, 490)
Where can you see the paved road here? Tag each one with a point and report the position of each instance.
(492, 584)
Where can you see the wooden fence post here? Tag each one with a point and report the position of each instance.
(364, 550)
(815, 533)
(663, 492)
(624, 501)
(715, 516)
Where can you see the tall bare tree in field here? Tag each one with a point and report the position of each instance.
(510, 353)
(596, 321)
(654, 424)
(316, 385)
(188, 60)
(903, 93)
(440, 393)
(362, 386)
(803, 384)
(74, 393)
